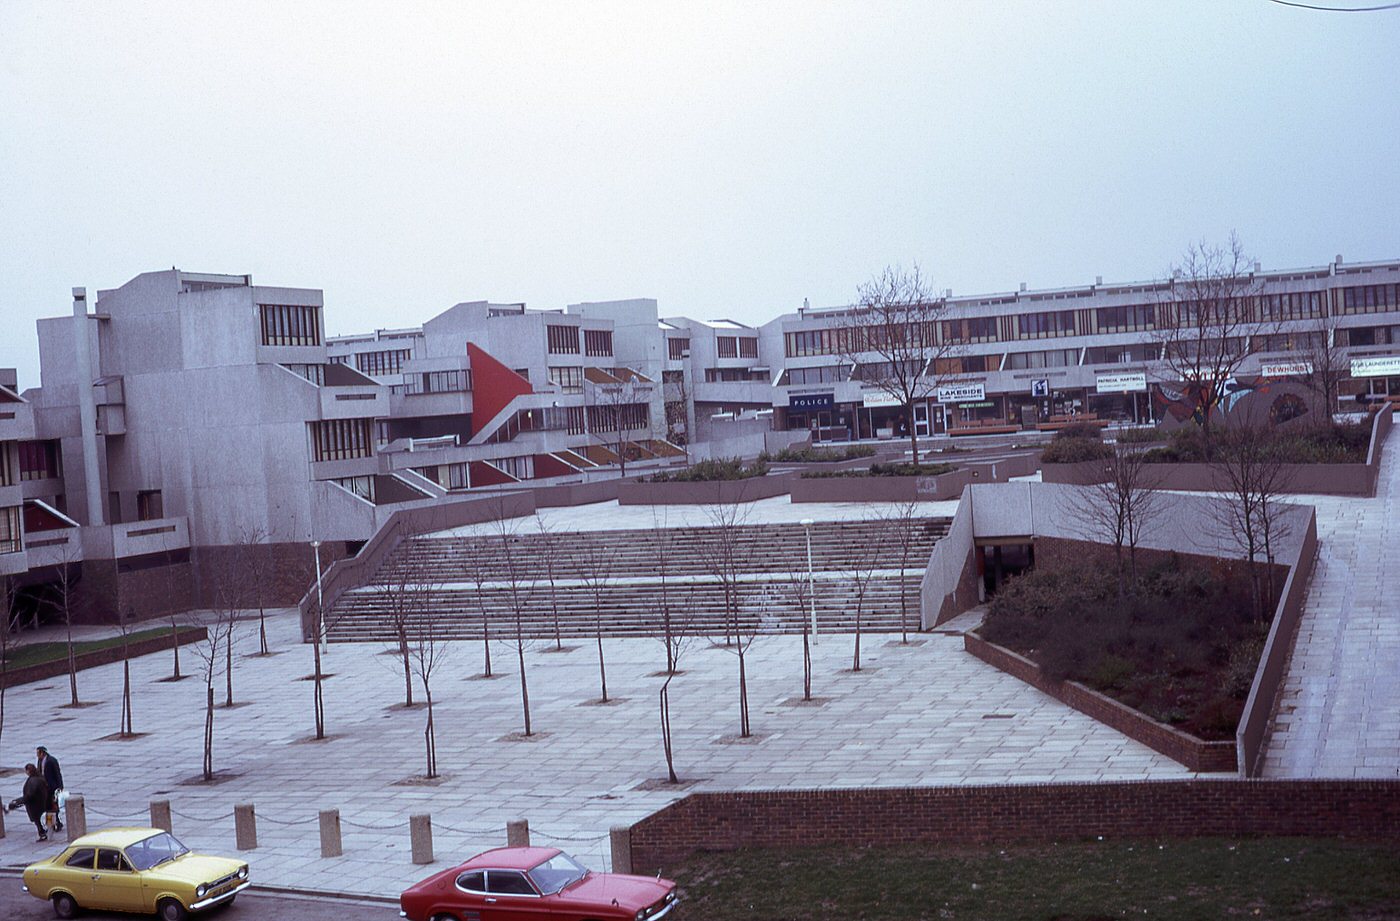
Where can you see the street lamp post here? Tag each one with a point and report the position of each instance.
(320, 607)
(811, 579)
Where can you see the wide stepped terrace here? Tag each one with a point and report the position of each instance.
(627, 583)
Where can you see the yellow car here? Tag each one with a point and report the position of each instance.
(134, 869)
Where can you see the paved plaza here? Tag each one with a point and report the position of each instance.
(926, 714)
(1339, 711)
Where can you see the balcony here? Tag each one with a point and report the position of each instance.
(743, 392)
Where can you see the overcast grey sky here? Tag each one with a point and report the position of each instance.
(726, 159)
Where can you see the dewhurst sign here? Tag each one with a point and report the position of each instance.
(961, 393)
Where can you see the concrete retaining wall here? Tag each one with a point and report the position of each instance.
(709, 493)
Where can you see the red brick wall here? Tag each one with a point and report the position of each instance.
(984, 814)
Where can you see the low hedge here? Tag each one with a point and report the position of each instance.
(1075, 450)
(716, 469)
(1342, 443)
(885, 470)
(811, 455)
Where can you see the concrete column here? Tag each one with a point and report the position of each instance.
(518, 833)
(160, 814)
(75, 817)
(330, 833)
(245, 827)
(621, 837)
(87, 409)
(420, 835)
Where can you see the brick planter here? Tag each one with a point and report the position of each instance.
(1196, 754)
(42, 670)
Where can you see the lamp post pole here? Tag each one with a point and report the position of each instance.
(811, 579)
(320, 608)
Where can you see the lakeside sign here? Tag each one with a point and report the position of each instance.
(1130, 382)
(962, 393)
(1375, 367)
(811, 402)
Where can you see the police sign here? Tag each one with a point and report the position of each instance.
(811, 402)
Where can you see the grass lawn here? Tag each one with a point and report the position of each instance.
(1081, 881)
(38, 653)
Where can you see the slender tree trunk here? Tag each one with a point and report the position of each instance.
(524, 686)
(262, 630)
(175, 646)
(485, 642)
(913, 436)
(665, 699)
(407, 671)
(72, 662)
(126, 691)
(209, 732)
(743, 698)
(602, 666)
(855, 661)
(318, 698)
(430, 734)
(228, 665)
(806, 663)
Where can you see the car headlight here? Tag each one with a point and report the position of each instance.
(641, 913)
(201, 891)
(243, 872)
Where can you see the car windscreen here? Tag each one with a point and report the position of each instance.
(153, 850)
(556, 873)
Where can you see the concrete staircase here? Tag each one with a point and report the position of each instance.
(611, 580)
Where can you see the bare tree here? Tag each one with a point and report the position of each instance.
(674, 636)
(1118, 509)
(230, 588)
(597, 576)
(407, 599)
(518, 591)
(894, 338)
(1327, 367)
(901, 525)
(255, 555)
(1254, 473)
(1205, 320)
(799, 588)
(480, 574)
(124, 626)
(218, 624)
(7, 641)
(619, 403)
(860, 576)
(549, 551)
(428, 648)
(722, 554)
(678, 413)
(318, 675)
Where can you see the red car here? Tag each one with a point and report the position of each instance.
(535, 884)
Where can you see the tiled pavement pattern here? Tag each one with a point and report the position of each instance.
(1339, 711)
(923, 714)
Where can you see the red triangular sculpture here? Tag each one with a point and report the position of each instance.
(493, 387)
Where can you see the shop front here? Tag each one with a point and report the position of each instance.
(1121, 397)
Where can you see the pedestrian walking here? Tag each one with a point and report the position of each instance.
(53, 779)
(35, 799)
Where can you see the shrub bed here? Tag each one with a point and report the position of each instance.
(1342, 443)
(1141, 436)
(1177, 644)
(709, 471)
(885, 470)
(811, 455)
(1075, 450)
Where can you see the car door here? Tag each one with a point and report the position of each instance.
(510, 897)
(74, 876)
(115, 885)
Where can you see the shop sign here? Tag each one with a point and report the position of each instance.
(1040, 388)
(1375, 367)
(811, 402)
(877, 398)
(961, 393)
(1286, 368)
(1130, 382)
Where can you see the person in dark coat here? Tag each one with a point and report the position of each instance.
(35, 799)
(53, 779)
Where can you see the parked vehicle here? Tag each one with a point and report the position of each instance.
(142, 870)
(541, 883)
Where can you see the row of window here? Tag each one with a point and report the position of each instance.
(378, 364)
(568, 379)
(455, 381)
(713, 375)
(564, 340)
(341, 439)
(736, 346)
(290, 324)
(676, 349)
(628, 417)
(9, 529)
(7, 466)
(1301, 305)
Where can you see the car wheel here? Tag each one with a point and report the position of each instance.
(442, 918)
(171, 910)
(65, 906)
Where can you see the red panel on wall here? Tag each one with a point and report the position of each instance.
(483, 474)
(493, 387)
(549, 465)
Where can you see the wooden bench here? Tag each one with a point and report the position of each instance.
(1058, 422)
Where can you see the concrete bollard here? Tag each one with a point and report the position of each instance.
(518, 833)
(621, 837)
(330, 833)
(75, 817)
(245, 827)
(420, 836)
(2, 823)
(160, 814)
